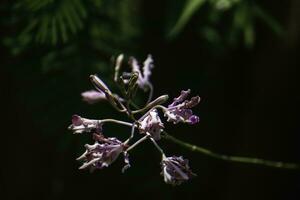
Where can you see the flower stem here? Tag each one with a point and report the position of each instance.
(132, 133)
(155, 107)
(115, 121)
(156, 145)
(137, 142)
(153, 104)
(239, 159)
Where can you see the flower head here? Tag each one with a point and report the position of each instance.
(80, 125)
(176, 170)
(152, 124)
(143, 80)
(100, 155)
(93, 96)
(180, 109)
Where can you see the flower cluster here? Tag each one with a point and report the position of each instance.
(106, 150)
(180, 109)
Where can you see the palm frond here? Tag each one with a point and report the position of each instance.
(55, 21)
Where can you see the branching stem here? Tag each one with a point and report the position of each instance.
(239, 159)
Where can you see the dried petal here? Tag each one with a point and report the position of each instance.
(126, 160)
(144, 77)
(176, 170)
(179, 110)
(148, 66)
(181, 98)
(152, 124)
(98, 156)
(80, 125)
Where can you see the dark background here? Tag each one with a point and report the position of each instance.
(250, 104)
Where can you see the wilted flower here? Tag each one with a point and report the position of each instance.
(179, 110)
(80, 125)
(100, 155)
(143, 80)
(93, 96)
(176, 170)
(152, 124)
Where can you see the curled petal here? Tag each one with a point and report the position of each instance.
(144, 77)
(98, 156)
(148, 66)
(180, 109)
(193, 119)
(135, 66)
(93, 96)
(193, 102)
(127, 163)
(76, 120)
(80, 125)
(183, 95)
(152, 124)
(176, 170)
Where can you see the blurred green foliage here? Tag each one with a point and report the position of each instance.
(111, 26)
(238, 16)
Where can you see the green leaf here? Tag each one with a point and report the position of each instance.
(269, 20)
(80, 8)
(68, 17)
(75, 16)
(54, 31)
(249, 35)
(62, 27)
(43, 30)
(190, 8)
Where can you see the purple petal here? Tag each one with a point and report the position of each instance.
(148, 66)
(193, 102)
(92, 96)
(76, 120)
(127, 163)
(181, 98)
(193, 119)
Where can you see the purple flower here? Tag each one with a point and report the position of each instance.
(143, 80)
(152, 124)
(180, 109)
(100, 155)
(80, 125)
(93, 96)
(176, 170)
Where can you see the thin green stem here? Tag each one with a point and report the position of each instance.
(115, 121)
(132, 133)
(156, 145)
(239, 159)
(137, 142)
(153, 104)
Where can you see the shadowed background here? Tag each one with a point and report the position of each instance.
(241, 58)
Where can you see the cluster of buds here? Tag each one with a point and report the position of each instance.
(148, 124)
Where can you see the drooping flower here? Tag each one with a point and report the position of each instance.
(180, 109)
(81, 125)
(176, 170)
(152, 124)
(100, 155)
(93, 96)
(144, 77)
